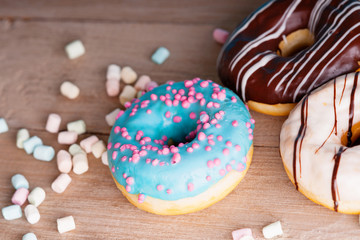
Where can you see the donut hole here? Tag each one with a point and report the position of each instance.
(355, 136)
(180, 133)
(295, 42)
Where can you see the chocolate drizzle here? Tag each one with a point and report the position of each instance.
(351, 111)
(334, 187)
(300, 136)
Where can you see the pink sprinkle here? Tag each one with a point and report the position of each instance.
(206, 125)
(248, 125)
(204, 84)
(127, 104)
(128, 188)
(202, 102)
(124, 175)
(155, 162)
(235, 123)
(168, 102)
(250, 130)
(210, 164)
(219, 138)
(159, 187)
(181, 91)
(220, 35)
(119, 114)
(191, 99)
(141, 198)
(228, 167)
(177, 119)
(148, 111)
(211, 136)
(188, 83)
(116, 129)
(185, 104)
(217, 125)
(161, 163)
(217, 161)
(237, 147)
(240, 167)
(168, 114)
(164, 138)
(204, 117)
(211, 142)
(175, 102)
(232, 161)
(174, 149)
(195, 145)
(201, 136)
(190, 149)
(113, 169)
(153, 97)
(208, 178)
(109, 145)
(226, 151)
(210, 105)
(176, 158)
(148, 160)
(190, 187)
(251, 137)
(169, 191)
(130, 180)
(214, 96)
(162, 98)
(114, 155)
(208, 148)
(199, 96)
(252, 121)
(192, 115)
(168, 88)
(222, 172)
(217, 105)
(123, 158)
(174, 91)
(228, 143)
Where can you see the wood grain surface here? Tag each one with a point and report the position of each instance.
(33, 65)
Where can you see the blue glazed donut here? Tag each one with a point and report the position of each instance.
(181, 147)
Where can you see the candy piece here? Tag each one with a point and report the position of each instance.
(160, 55)
(67, 137)
(75, 49)
(19, 181)
(80, 163)
(31, 143)
(113, 72)
(61, 183)
(141, 83)
(88, 142)
(69, 90)
(128, 75)
(21, 136)
(127, 94)
(112, 88)
(75, 148)
(3, 126)
(53, 123)
(272, 230)
(11, 212)
(139, 94)
(151, 85)
(242, 234)
(37, 196)
(29, 236)
(63, 160)
(98, 148)
(32, 214)
(104, 158)
(65, 224)
(78, 126)
(220, 35)
(44, 153)
(20, 196)
(111, 117)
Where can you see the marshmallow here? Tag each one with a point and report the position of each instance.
(3, 126)
(61, 183)
(88, 142)
(111, 117)
(220, 35)
(160, 55)
(139, 94)
(242, 234)
(141, 83)
(63, 160)
(272, 230)
(75, 148)
(150, 86)
(67, 137)
(98, 149)
(36, 196)
(32, 214)
(113, 72)
(20, 196)
(112, 88)
(29, 236)
(19, 181)
(104, 158)
(128, 75)
(69, 90)
(31, 143)
(11, 212)
(78, 126)
(53, 123)
(21, 136)
(65, 224)
(75, 49)
(80, 163)
(44, 153)
(127, 94)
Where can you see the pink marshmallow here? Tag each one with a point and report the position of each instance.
(87, 143)
(20, 196)
(67, 137)
(242, 234)
(64, 163)
(141, 83)
(53, 123)
(220, 35)
(112, 87)
(151, 85)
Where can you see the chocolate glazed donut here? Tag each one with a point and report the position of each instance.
(253, 64)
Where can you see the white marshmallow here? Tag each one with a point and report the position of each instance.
(32, 214)
(29, 236)
(112, 88)
(63, 160)
(113, 72)
(111, 117)
(37, 196)
(141, 83)
(242, 234)
(98, 148)
(272, 230)
(61, 183)
(78, 126)
(3, 126)
(88, 142)
(104, 158)
(75, 49)
(75, 148)
(21, 136)
(65, 224)
(67, 137)
(128, 94)
(69, 90)
(128, 75)
(80, 163)
(53, 123)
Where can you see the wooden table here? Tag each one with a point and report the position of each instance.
(33, 65)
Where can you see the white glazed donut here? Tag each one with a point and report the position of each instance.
(319, 145)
